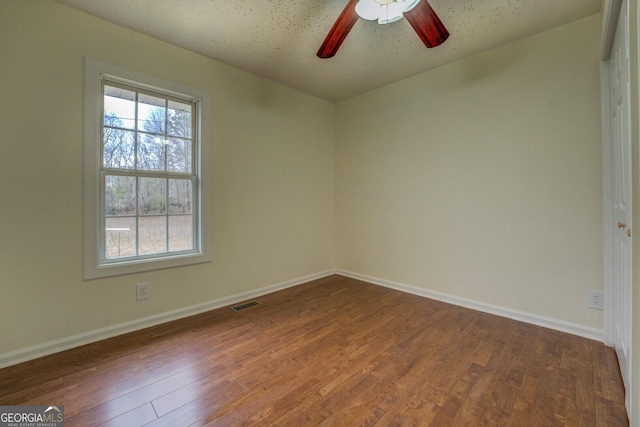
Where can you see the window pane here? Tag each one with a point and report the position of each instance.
(120, 195)
(151, 152)
(179, 115)
(180, 196)
(118, 149)
(153, 234)
(151, 113)
(119, 107)
(180, 233)
(152, 196)
(179, 155)
(120, 237)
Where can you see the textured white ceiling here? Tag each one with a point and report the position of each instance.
(278, 39)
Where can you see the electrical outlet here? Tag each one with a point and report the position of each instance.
(143, 291)
(595, 300)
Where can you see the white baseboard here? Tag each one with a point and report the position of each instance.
(66, 343)
(534, 319)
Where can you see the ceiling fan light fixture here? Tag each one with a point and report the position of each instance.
(368, 9)
(390, 13)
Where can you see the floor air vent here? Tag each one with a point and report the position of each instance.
(244, 306)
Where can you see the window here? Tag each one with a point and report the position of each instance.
(145, 172)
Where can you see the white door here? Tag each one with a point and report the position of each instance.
(620, 125)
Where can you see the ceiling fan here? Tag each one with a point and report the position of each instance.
(419, 13)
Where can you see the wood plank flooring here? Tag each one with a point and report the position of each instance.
(332, 352)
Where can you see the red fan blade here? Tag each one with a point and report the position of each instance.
(339, 31)
(427, 25)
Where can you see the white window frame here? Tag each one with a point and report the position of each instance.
(94, 266)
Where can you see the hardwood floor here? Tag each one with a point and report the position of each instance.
(332, 352)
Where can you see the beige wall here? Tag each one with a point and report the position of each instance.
(481, 179)
(272, 167)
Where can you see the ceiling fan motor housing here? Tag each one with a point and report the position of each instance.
(384, 11)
